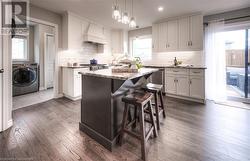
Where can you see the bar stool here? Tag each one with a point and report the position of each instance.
(156, 89)
(141, 101)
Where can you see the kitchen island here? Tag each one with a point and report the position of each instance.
(101, 106)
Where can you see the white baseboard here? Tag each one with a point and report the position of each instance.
(9, 124)
(41, 88)
(73, 98)
(60, 95)
(203, 101)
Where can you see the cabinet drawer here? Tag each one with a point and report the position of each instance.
(177, 71)
(197, 72)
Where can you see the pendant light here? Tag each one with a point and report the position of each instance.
(116, 12)
(132, 22)
(125, 16)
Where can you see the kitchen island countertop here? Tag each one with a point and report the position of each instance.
(107, 73)
(172, 66)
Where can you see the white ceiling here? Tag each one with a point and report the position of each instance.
(145, 11)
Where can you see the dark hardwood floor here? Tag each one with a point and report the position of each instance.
(191, 132)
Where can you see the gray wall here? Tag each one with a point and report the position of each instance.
(46, 15)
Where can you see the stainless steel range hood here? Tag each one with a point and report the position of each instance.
(95, 34)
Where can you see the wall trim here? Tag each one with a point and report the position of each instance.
(9, 124)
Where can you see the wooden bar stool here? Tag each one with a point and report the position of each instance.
(140, 101)
(156, 89)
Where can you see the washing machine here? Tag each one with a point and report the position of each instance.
(25, 78)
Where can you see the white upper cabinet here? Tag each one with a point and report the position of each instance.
(180, 34)
(172, 35)
(196, 32)
(162, 41)
(155, 30)
(184, 29)
(75, 35)
(77, 30)
(191, 33)
(119, 40)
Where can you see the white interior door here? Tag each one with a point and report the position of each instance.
(1, 86)
(50, 61)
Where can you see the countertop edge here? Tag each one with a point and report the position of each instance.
(166, 66)
(89, 73)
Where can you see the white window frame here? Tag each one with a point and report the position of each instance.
(138, 37)
(26, 49)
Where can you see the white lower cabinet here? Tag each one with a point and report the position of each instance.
(186, 83)
(182, 84)
(171, 84)
(197, 87)
(72, 83)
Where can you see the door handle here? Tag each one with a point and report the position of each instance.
(1, 70)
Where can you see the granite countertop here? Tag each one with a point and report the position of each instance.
(73, 67)
(172, 66)
(107, 73)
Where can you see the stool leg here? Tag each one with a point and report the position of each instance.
(142, 131)
(135, 117)
(157, 111)
(124, 122)
(162, 104)
(152, 118)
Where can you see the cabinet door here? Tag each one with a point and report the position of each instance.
(184, 31)
(77, 85)
(162, 37)
(182, 85)
(75, 35)
(116, 42)
(197, 89)
(196, 32)
(170, 84)
(172, 35)
(155, 37)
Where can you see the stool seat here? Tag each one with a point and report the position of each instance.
(137, 98)
(150, 87)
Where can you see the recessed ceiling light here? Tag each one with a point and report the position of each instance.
(160, 8)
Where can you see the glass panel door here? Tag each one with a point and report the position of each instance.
(235, 62)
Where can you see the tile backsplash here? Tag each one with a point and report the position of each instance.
(167, 58)
(189, 57)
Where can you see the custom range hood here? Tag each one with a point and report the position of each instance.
(95, 34)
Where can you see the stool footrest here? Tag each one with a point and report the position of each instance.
(149, 133)
(132, 134)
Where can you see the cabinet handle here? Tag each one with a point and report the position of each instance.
(190, 82)
(191, 43)
(196, 72)
(166, 45)
(175, 71)
(188, 43)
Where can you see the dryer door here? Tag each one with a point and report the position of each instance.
(23, 77)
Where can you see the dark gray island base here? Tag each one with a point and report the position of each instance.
(101, 106)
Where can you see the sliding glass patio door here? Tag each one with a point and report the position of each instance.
(238, 64)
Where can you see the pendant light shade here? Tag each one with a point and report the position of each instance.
(132, 22)
(116, 12)
(125, 18)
